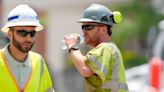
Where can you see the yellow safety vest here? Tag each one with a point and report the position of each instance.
(8, 83)
(106, 61)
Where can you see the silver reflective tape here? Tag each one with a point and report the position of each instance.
(41, 68)
(94, 60)
(115, 86)
(50, 89)
(115, 66)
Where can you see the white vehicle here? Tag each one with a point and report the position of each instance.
(137, 78)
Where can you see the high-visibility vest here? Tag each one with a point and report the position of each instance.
(106, 61)
(8, 83)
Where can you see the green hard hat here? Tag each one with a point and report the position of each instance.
(100, 14)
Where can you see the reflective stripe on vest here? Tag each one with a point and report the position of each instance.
(7, 82)
(41, 71)
(50, 89)
(97, 63)
(113, 84)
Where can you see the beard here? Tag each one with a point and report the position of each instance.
(19, 45)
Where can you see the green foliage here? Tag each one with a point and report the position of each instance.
(131, 59)
(138, 17)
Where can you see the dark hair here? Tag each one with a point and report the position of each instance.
(109, 30)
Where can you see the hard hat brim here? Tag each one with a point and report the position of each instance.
(91, 21)
(85, 20)
(39, 27)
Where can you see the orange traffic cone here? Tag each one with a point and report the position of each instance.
(155, 74)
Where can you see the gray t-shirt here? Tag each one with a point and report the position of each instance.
(20, 71)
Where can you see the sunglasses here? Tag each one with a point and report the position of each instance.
(89, 26)
(24, 33)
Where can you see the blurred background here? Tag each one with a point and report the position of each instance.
(140, 37)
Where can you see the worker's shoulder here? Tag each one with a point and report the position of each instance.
(32, 53)
(108, 45)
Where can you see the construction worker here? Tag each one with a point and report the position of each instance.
(22, 70)
(102, 67)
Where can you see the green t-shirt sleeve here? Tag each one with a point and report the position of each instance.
(99, 61)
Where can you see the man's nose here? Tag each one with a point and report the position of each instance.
(28, 37)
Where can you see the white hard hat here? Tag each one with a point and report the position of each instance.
(22, 15)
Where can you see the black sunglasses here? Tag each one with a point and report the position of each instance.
(89, 26)
(24, 33)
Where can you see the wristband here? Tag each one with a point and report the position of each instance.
(73, 47)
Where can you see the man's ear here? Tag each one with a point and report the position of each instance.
(104, 29)
(9, 34)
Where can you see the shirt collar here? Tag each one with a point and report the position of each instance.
(10, 59)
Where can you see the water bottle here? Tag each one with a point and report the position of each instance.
(80, 39)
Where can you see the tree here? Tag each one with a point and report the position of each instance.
(131, 33)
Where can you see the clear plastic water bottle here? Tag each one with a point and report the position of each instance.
(80, 39)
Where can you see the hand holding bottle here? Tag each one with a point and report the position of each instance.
(71, 39)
